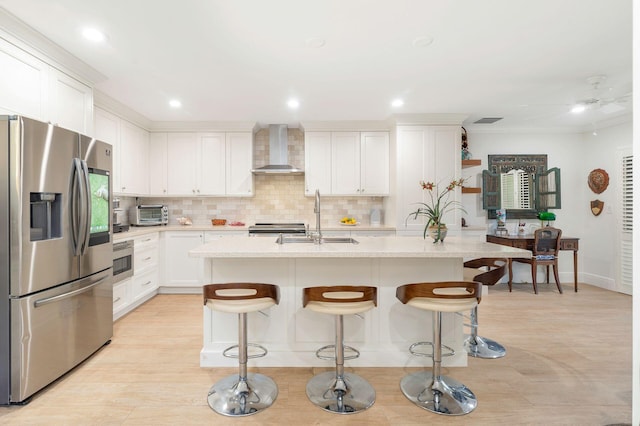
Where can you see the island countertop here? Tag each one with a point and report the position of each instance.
(372, 247)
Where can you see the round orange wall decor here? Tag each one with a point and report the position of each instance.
(598, 180)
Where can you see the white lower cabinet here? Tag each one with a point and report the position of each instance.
(180, 270)
(121, 297)
(133, 292)
(145, 284)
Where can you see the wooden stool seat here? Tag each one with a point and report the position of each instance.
(240, 297)
(339, 300)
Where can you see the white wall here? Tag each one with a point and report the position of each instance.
(576, 154)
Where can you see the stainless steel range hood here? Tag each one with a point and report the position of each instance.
(278, 154)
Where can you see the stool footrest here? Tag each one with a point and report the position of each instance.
(413, 349)
(263, 351)
(332, 357)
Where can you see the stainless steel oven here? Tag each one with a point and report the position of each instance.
(122, 260)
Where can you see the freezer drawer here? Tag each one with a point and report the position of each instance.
(56, 329)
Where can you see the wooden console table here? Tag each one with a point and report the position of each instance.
(526, 242)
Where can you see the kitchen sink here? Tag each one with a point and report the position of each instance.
(292, 240)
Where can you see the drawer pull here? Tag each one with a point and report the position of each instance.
(147, 283)
(148, 258)
(116, 300)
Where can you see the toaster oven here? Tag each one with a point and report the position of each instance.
(149, 215)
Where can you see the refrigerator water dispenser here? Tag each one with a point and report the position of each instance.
(44, 220)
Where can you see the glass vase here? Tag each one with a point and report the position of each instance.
(437, 232)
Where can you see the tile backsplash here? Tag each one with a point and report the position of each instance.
(277, 198)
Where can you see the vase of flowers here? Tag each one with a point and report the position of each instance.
(435, 210)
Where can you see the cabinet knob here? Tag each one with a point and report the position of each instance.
(193, 190)
(124, 187)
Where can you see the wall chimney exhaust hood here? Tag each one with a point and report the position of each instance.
(278, 154)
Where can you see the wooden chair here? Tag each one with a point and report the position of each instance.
(546, 246)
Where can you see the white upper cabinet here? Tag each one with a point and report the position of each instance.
(24, 83)
(35, 89)
(134, 160)
(70, 103)
(130, 152)
(425, 153)
(239, 161)
(374, 163)
(210, 164)
(347, 163)
(107, 129)
(317, 162)
(158, 180)
(182, 160)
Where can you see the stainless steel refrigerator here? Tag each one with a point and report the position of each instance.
(56, 305)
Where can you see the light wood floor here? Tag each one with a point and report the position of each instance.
(568, 362)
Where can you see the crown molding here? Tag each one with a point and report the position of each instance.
(345, 126)
(204, 126)
(16, 32)
(115, 107)
(443, 119)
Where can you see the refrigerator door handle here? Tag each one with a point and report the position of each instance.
(73, 293)
(86, 207)
(76, 204)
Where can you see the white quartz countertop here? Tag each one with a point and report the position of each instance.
(374, 247)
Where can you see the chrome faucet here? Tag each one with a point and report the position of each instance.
(316, 210)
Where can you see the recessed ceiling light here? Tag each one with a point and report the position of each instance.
(397, 103)
(422, 41)
(579, 108)
(93, 34)
(315, 42)
(293, 103)
(174, 103)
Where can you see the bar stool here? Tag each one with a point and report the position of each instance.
(242, 394)
(340, 392)
(433, 391)
(495, 268)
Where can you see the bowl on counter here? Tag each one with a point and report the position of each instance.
(218, 222)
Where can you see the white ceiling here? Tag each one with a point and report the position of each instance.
(240, 60)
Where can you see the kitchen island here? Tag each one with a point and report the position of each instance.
(292, 334)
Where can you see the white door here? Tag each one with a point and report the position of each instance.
(181, 270)
(158, 164)
(24, 83)
(70, 103)
(107, 129)
(345, 163)
(211, 163)
(374, 163)
(134, 159)
(182, 160)
(447, 166)
(317, 162)
(239, 161)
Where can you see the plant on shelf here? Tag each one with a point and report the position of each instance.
(437, 207)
